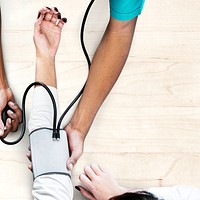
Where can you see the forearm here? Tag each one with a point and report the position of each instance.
(3, 80)
(45, 71)
(106, 67)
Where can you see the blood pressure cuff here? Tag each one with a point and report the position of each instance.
(125, 9)
(48, 156)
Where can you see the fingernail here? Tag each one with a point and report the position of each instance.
(9, 120)
(59, 16)
(70, 166)
(56, 9)
(78, 188)
(48, 8)
(38, 15)
(11, 103)
(10, 112)
(68, 162)
(64, 20)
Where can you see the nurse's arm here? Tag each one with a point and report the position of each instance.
(107, 64)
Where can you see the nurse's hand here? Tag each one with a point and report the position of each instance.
(47, 32)
(76, 144)
(14, 114)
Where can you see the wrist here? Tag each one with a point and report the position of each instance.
(4, 84)
(45, 54)
(81, 122)
(45, 60)
(3, 81)
(45, 70)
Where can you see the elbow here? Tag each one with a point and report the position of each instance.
(121, 28)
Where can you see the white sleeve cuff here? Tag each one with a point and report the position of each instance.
(42, 108)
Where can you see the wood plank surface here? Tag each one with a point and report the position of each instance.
(147, 132)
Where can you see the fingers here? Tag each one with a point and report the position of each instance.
(62, 22)
(15, 115)
(16, 109)
(89, 172)
(76, 154)
(41, 15)
(97, 169)
(85, 193)
(28, 155)
(49, 15)
(86, 181)
(1, 128)
(76, 143)
(92, 171)
(14, 119)
(52, 15)
(8, 128)
(30, 168)
(70, 165)
(55, 18)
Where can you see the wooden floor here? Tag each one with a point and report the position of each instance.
(148, 130)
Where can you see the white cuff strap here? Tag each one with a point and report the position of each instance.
(49, 156)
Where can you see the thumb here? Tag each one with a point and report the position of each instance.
(1, 127)
(85, 193)
(38, 23)
(75, 142)
(75, 155)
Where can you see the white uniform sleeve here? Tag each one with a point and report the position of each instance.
(42, 108)
(176, 193)
(54, 186)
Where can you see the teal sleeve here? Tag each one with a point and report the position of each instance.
(125, 9)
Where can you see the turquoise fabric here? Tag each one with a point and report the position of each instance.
(125, 9)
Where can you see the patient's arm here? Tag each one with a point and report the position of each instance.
(47, 34)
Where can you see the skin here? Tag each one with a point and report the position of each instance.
(100, 184)
(47, 34)
(114, 49)
(7, 97)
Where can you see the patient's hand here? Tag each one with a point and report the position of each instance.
(47, 32)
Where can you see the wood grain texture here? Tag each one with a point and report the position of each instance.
(147, 131)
